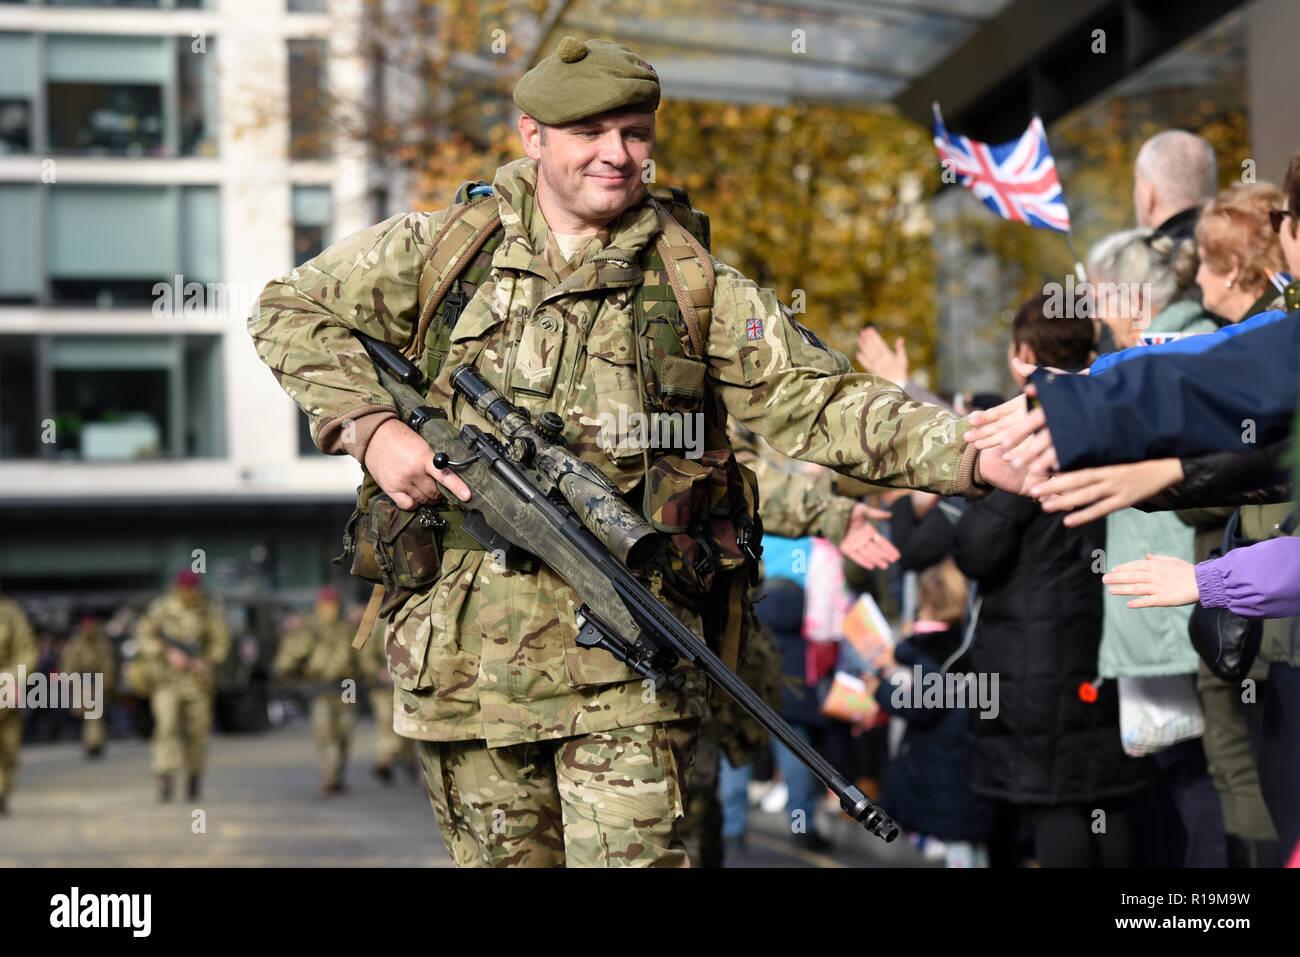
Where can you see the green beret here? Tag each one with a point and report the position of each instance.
(585, 77)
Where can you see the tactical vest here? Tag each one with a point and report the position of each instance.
(706, 507)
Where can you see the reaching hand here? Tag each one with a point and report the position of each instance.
(863, 543)
(402, 463)
(1162, 581)
(988, 426)
(875, 357)
(1100, 491)
(998, 472)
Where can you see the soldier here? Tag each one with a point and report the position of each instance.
(89, 651)
(390, 747)
(182, 636)
(591, 301)
(321, 652)
(17, 651)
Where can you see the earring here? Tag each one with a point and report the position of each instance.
(1227, 283)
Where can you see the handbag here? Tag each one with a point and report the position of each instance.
(1226, 642)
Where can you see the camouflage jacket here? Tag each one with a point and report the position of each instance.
(796, 498)
(319, 652)
(17, 642)
(564, 341)
(200, 625)
(90, 652)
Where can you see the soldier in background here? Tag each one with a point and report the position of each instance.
(89, 651)
(321, 652)
(17, 649)
(390, 747)
(182, 637)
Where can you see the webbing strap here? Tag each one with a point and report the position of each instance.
(456, 244)
(690, 273)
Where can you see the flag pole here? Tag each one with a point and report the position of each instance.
(1079, 272)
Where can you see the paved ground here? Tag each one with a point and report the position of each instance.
(260, 808)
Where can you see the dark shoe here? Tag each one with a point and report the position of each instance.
(330, 788)
(96, 752)
(384, 772)
(4, 806)
(192, 787)
(164, 787)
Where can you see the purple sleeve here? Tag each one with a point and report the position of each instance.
(1259, 581)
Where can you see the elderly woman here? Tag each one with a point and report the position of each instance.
(1241, 258)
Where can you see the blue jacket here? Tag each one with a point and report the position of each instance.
(1159, 405)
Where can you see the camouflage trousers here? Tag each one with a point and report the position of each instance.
(605, 799)
(390, 747)
(11, 738)
(182, 728)
(332, 719)
(94, 731)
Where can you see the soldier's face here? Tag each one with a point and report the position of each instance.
(328, 611)
(589, 171)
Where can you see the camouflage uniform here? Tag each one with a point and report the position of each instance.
(91, 652)
(390, 747)
(489, 656)
(182, 699)
(17, 649)
(321, 651)
(797, 499)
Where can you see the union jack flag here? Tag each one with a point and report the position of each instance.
(754, 328)
(1016, 180)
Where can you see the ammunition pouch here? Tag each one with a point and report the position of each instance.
(396, 548)
(706, 509)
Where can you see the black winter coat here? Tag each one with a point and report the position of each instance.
(927, 783)
(1039, 629)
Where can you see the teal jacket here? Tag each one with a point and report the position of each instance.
(1144, 642)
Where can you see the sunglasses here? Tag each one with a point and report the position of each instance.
(1275, 217)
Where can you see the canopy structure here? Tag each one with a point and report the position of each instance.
(991, 62)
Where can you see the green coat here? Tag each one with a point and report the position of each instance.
(1146, 642)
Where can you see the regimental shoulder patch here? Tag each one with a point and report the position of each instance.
(754, 328)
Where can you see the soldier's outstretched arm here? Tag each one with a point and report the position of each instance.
(801, 395)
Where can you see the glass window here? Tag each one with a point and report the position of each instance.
(307, 6)
(17, 91)
(311, 221)
(20, 279)
(131, 96)
(308, 138)
(112, 244)
(110, 398)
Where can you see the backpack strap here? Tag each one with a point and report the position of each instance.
(465, 231)
(689, 269)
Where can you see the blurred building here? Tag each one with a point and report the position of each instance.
(159, 163)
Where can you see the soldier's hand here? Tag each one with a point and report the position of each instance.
(402, 463)
(864, 544)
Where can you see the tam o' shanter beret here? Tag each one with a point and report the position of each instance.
(585, 77)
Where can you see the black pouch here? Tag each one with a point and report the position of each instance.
(390, 546)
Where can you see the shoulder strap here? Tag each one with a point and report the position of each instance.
(465, 230)
(689, 269)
